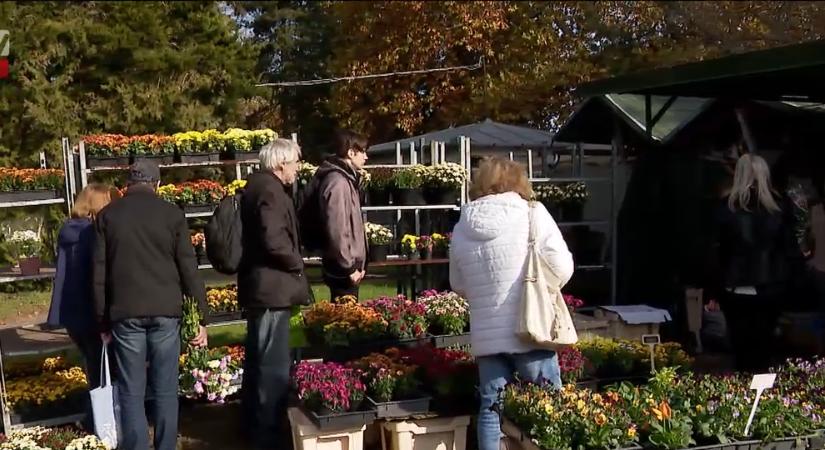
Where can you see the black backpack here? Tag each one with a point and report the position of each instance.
(223, 235)
(309, 216)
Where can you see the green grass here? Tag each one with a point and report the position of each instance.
(23, 307)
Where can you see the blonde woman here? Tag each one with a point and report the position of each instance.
(487, 263)
(71, 305)
(752, 243)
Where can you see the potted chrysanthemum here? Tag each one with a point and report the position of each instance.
(442, 183)
(379, 238)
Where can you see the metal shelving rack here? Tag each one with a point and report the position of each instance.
(577, 153)
(48, 273)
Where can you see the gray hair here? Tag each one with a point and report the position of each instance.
(279, 152)
(752, 172)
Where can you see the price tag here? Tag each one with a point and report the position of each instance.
(759, 383)
(652, 340)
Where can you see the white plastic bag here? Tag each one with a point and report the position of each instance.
(104, 404)
(544, 319)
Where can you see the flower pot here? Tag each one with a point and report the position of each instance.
(107, 161)
(28, 196)
(192, 158)
(160, 159)
(400, 408)
(331, 421)
(441, 253)
(378, 197)
(245, 156)
(454, 340)
(378, 253)
(440, 196)
(426, 253)
(29, 266)
(572, 212)
(414, 256)
(203, 259)
(224, 316)
(192, 209)
(408, 197)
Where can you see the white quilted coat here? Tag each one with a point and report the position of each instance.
(487, 263)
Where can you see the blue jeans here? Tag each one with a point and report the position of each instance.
(266, 377)
(495, 371)
(156, 340)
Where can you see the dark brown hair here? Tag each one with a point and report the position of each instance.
(348, 139)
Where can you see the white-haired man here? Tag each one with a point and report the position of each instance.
(271, 281)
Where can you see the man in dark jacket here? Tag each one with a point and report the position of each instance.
(144, 264)
(271, 281)
(345, 242)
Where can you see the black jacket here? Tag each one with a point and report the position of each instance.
(271, 274)
(752, 247)
(144, 262)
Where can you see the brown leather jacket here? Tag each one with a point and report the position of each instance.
(346, 242)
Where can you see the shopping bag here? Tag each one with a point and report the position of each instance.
(105, 410)
(544, 319)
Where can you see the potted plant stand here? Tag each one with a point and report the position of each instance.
(306, 435)
(448, 433)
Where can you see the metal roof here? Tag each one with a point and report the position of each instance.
(786, 73)
(487, 133)
(592, 122)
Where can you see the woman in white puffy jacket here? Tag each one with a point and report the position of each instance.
(487, 265)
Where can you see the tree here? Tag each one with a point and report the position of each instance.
(535, 53)
(294, 40)
(121, 67)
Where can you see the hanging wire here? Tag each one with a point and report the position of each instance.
(475, 66)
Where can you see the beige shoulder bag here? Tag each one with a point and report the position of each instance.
(544, 319)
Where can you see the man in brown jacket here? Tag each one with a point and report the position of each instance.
(344, 253)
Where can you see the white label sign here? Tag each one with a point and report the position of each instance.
(763, 381)
(759, 384)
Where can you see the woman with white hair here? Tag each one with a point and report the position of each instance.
(752, 243)
(271, 281)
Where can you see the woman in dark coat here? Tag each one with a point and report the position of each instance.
(753, 243)
(71, 305)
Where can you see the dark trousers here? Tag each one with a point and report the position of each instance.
(266, 377)
(751, 322)
(156, 340)
(90, 347)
